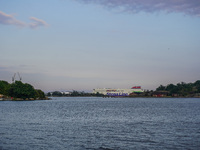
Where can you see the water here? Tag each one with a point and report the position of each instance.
(100, 124)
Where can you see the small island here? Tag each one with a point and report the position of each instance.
(20, 91)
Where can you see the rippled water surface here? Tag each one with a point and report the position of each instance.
(100, 124)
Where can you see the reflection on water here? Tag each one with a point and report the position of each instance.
(100, 124)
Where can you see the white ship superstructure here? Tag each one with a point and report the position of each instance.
(118, 92)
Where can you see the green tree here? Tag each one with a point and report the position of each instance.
(183, 89)
(99, 95)
(21, 90)
(75, 93)
(160, 88)
(197, 86)
(39, 94)
(4, 87)
(49, 94)
(172, 89)
(57, 93)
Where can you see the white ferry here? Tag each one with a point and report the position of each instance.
(118, 92)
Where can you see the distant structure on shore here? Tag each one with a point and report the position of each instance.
(118, 92)
(14, 77)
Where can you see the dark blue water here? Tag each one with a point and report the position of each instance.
(100, 124)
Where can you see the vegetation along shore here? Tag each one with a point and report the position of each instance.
(24, 91)
(20, 91)
(179, 90)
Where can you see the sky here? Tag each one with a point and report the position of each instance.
(86, 44)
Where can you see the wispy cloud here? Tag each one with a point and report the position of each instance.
(188, 7)
(37, 23)
(8, 19)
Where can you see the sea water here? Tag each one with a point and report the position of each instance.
(91, 123)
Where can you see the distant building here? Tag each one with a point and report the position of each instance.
(118, 92)
(66, 92)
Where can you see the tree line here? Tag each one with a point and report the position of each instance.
(181, 89)
(73, 94)
(27, 91)
(171, 90)
(20, 90)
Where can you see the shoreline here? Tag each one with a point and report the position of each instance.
(27, 99)
(48, 98)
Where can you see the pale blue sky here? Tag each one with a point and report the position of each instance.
(69, 44)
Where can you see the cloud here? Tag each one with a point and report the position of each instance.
(37, 23)
(7, 19)
(188, 7)
(10, 20)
